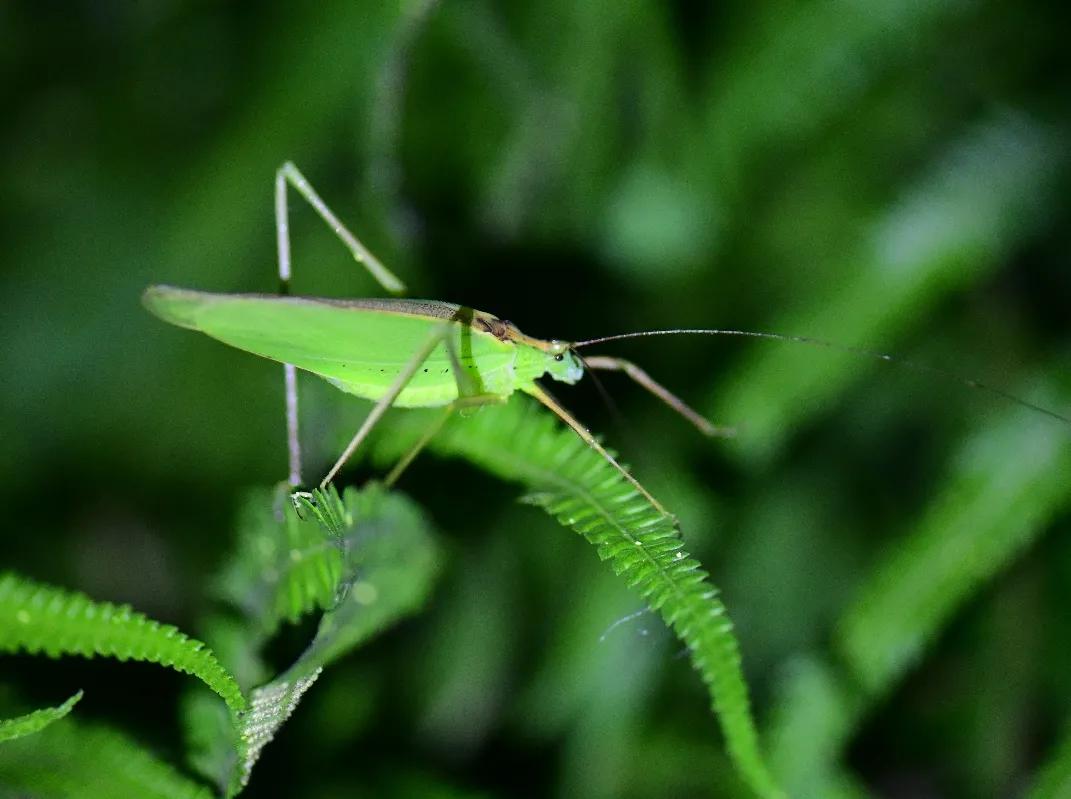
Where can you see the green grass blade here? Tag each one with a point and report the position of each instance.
(36, 721)
(814, 713)
(953, 226)
(391, 561)
(1009, 480)
(643, 546)
(88, 762)
(39, 618)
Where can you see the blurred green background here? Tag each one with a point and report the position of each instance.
(884, 174)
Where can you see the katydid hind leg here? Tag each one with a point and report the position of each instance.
(282, 243)
(288, 173)
(432, 430)
(384, 402)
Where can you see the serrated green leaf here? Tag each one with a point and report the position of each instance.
(326, 507)
(36, 721)
(288, 562)
(270, 707)
(642, 544)
(39, 618)
(390, 564)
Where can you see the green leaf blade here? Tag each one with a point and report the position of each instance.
(36, 721)
(641, 544)
(1009, 481)
(285, 566)
(89, 762)
(391, 562)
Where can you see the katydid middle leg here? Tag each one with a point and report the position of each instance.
(289, 174)
(470, 401)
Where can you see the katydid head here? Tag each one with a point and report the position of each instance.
(563, 364)
(538, 357)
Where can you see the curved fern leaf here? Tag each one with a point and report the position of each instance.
(282, 568)
(391, 562)
(36, 721)
(89, 762)
(1008, 482)
(39, 618)
(576, 486)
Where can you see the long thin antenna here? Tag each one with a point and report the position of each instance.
(862, 351)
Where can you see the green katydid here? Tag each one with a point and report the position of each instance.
(395, 352)
(415, 353)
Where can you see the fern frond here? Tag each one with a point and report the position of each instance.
(39, 618)
(288, 562)
(89, 762)
(284, 567)
(391, 561)
(581, 490)
(36, 721)
(1008, 482)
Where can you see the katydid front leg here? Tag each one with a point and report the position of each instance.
(672, 400)
(586, 436)
(288, 173)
